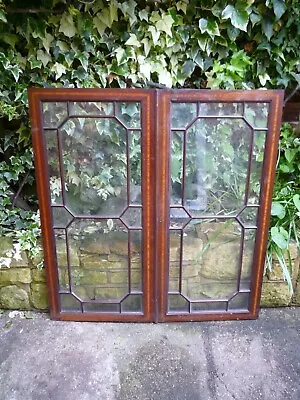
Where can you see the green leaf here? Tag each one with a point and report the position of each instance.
(155, 34)
(43, 57)
(144, 15)
(15, 70)
(132, 41)
(279, 8)
(267, 27)
(165, 24)
(181, 5)
(188, 68)
(280, 237)
(67, 26)
(59, 70)
(277, 210)
(100, 26)
(238, 15)
(296, 200)
(210, 26)
(2, 16)
(290, 154)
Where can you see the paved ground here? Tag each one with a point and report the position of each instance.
(42, 359)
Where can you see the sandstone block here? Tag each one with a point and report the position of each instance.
(14, 298)
(88, 277)
(38, 275)
(192, 249)
(275, 294)
(39, 296)
(15, 275)
(118, 277)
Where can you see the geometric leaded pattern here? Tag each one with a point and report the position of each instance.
(94, 158)
(216, 164)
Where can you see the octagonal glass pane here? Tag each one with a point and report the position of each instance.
(95, 166)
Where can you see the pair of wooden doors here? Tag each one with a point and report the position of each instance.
(154, 203)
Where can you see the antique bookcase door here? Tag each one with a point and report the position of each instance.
(154, 204)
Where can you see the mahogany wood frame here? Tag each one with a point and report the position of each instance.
(155, 108)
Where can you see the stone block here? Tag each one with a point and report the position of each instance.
(39, 296)
(275, 294)
(14, 298)
(136, 278)
(38, 275)
(61, 253)
(190, 270)
(95, 246)
(15, 275)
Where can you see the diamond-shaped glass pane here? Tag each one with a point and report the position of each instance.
(61, 217)
(132, 217)
(54, 113)
(178, 217)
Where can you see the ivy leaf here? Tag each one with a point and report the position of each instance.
(132, 41)
(15, 70)
(143, 14)
(47, 40)
(188, 68)
(147, 46)
(165, 24)
(155, 34)
(279, 8)
(145, 69)
(110, 14)
(290, 154)
(43, 57)
(238, 15)
(277, 210)
(59, 70)
(67, 26)
(210, 26)
(267, 28)
(280, 237)
(100, 26)
(2, 16)
(181, 5)
(264, 78)
(164, 76)
(296, 200)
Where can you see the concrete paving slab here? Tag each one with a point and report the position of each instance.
(42, 359)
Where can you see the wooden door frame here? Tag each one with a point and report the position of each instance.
(155, 193)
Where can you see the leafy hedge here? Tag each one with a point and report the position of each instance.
(101, 43)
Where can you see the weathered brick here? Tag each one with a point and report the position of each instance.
(38, 275)
(275, 294)
(14, 298)
(39, 296)
(15, 275)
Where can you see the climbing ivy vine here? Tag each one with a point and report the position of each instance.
(101, 43)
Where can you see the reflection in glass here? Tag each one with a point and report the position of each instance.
(54, 113)
(177, 303)
(94, 160)
(61, 217)
(182, 114)
(220, 109)
(53, 165)
(129, 114)
(257, 114)
(256, 167)
(132, 303)
(135, 166)
(69, 303)
(177, 139)
(90, 108)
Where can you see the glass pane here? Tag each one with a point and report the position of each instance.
(90, 108)
(95, 166)
(174, 260)
(257, 165)
(177, 303)
(248, 217)
(54, 113)
(177, 139)
(136, 275)
(133, 217)
(101, 307)
(53, 164)
(211, 306)
(216, 167)
(135, 166)
(182, 114)
(220, 109)
(210, 259)
(132, 303)
(61, 217)
(129, 114)
(69, 303)
(257, 114)
(239, 302)
(178, 217)
(247, 262)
